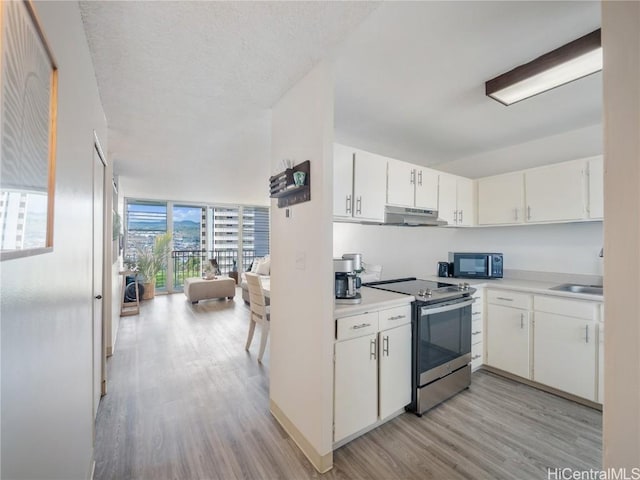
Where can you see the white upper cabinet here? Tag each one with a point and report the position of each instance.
(426, 188)
(411, 185)
(556, 192)
(401, 177)
(369, 180)
(501, 199)
(342, 180)
(596, 187)
(359, 180)
(455, 200)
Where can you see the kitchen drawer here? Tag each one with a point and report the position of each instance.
(509, 299)
(567, 307)
(394, 317)
(476, 323)
(476, 336)
(357, 326)
(477, 357)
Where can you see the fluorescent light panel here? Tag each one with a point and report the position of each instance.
(570, 62)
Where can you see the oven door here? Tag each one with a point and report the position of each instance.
(443, 339)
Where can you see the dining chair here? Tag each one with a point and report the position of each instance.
(260, 312)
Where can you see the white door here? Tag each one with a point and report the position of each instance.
(356, 385)
(501, 199)
(447, 201)
(342, 181)
(401, 179)
(369, 186)
(564, 353)
(465, 201)
(99, 382)
(596, 188)
(556, 192)
(426, 188)
(395, 369)
(508, 339)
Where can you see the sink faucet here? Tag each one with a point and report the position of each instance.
(601, 254)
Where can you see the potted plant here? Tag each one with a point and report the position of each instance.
(151, 260)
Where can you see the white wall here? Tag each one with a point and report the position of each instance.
(415, 251)
(301, 368)
(579, 143)
(621, 44)
(46, 301)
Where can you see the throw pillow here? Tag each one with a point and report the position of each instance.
(264, 266)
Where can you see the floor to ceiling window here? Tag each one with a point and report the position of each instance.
(233, 235)
(144, 222)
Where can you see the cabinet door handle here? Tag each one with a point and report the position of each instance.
(455, 216)
(522, 320)
(397, 317)
(475, 357)
(476, 313)
(528, 213)
(362, 325)
(385, 345)
(359, 206)
(412, 177)
(420, 177)
(372, 350)
(586, 334)
(348, 203)
(476, 333)
(460, 219)
(505, 299)
(516, 211)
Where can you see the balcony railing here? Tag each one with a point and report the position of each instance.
(192, 263)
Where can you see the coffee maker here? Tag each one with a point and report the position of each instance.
(357, 266)
(345, 282)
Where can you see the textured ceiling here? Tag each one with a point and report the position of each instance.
(187, 86)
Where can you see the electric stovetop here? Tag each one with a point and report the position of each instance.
(425, 291)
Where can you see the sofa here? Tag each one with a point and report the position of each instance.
(260, 266)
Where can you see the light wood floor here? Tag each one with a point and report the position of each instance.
(185, 401)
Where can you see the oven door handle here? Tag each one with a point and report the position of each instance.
(448, 308)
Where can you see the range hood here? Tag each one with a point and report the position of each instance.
(412, 217)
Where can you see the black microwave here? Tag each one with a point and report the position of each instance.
(476, 265)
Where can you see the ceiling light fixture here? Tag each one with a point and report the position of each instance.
(565, 64)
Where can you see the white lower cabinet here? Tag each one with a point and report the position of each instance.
(566, 344)
(372, 372)
(551, 340)
(508, 339)
(395, 363)
(356, 385)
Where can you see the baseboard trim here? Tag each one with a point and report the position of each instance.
(322, 463)
(540, 386)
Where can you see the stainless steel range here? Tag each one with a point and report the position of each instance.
(441, 341)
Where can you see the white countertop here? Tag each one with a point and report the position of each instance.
(372, 299)
(528, 286)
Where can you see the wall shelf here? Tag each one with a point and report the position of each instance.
(283, 187)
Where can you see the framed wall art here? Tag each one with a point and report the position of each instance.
(28, 97)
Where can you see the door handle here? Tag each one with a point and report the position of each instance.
(420, 177)
(372, 350)
(522, 320)
(455, 216)
(98, 297)
(586, 334)
(348, 204)
(460, 219)
(385, 345)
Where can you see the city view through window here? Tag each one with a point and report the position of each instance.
(234, 236)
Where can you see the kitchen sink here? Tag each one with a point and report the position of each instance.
(577, 288)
